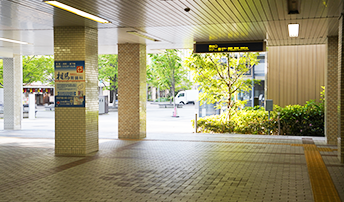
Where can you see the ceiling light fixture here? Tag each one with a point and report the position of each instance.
(143, 35)
(293, 30)
(13, 41)
(77, 11)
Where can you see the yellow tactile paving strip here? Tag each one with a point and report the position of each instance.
(322, 184)
(323, 149)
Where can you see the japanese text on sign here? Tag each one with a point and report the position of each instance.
(70, 84)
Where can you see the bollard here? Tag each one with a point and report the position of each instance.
(279, 123)
(195, 123)
(269, 121)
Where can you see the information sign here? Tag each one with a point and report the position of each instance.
(70, 83)
(229, 47)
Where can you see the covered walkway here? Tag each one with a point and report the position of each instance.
(188, 167)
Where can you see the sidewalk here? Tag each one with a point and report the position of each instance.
(159, 120)
(171, 164)
(199, 167)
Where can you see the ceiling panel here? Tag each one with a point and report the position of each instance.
(208, 20)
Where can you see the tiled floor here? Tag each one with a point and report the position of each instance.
(202, 167)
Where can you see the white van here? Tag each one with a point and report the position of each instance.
(188, 96)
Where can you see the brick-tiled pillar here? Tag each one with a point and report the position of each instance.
(132, 91)
(13, 90)
(331, 96)
(76, 128)
(340, 91)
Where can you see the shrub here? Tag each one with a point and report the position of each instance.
(245, 121)
(307, 120)
(162, 99)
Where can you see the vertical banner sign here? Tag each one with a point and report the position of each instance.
(70, 84)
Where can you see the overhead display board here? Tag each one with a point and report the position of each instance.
(70, 84)
(257, 46)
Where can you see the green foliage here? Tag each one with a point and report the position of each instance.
(218, 80)
(297, 120)
(108, 71)
(307, 120)
(38, 68)
(246, 121)
(322, 94)
(167, 72)
(162, 99)
(35, 69)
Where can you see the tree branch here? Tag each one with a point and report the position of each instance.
(217, 69)
(237, 88)
(29, 60)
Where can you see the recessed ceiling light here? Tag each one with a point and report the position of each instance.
(293, 30)
(77, 11)
(13, 41)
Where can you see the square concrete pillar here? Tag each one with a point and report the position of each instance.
(340, 91)
(13, 90)
(132, 91)
(331, 92)
(76, 128)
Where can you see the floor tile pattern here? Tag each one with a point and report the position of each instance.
(227, 168)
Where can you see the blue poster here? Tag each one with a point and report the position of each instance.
(70, 84)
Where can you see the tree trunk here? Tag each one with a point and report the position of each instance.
(114, 98)
(115, 92)
(171, 94)
(173, 83)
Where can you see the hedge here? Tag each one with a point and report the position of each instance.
(297, 120)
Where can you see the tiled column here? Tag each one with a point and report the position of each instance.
(132, 91)
(76, 128)
(331, 96)
(13, 88)
(340, 91)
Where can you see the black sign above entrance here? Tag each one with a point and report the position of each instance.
(230, 47)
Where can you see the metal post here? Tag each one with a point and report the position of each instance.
(269, 120)
(195, 123)
(279, 124)
(252, 104)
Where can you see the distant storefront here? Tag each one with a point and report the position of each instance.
(43, 94)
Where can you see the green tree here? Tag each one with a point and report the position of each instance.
(108, 72)
(38, 68)
(167, 72)
(35, 69)
(220, 75)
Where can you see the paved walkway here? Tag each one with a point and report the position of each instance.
(171, 166)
